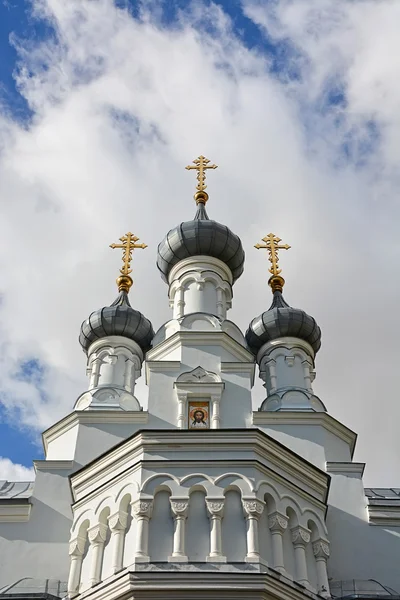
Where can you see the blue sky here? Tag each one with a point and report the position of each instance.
(298, 104)
(17, 23)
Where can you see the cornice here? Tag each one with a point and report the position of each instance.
(385, 516)
(122, 457)
(15, 512)
(346, 468)
(91, 417)
(159, 582)
(200, 338)
(322, 419)
(53, 465)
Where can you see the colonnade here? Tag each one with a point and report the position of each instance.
(142, 510)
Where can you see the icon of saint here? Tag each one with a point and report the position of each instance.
(199, 419)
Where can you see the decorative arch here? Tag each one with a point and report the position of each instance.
(150, 484)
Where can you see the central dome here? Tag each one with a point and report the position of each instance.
(201, 236)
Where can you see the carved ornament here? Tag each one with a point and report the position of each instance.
(278, 522)
(321, 549)
(300, 536)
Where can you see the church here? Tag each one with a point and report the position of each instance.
(205, 492)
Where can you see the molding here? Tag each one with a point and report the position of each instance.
(346, 468)
(15, 512)
(91, 417)
(199, 582)
(115, 341)
(307, 418)
(385, 516)
(53, 465)
(200, 338)
(200, 263)
(161, 366)
(123, 456)
(240, 367)
(286, 342)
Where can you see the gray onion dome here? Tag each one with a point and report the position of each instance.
(201, 236)
(118, 319)
(281, 320)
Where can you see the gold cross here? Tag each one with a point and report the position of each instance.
(272, 245)
(201, 164)
(128, 245)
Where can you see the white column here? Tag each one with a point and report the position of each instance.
(142, 509)
(76, 551)
(118, 522)
(321, 553)
(94, 372)
(271, 364)
(215, 421)
(129, 375)
(182, 409)
(215, 509)
(253, 510)
(300, 539)
(97, 537)
(277, 523)
(179, 509)
(307, 366)
(221, 311)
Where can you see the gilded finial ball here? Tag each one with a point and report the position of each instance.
(276, 282)
(124, 283)
(201, 197)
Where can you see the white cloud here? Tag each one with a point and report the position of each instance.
(122, 105)
(10, 471)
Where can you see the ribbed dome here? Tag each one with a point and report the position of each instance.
(281, 320)
(200, 237)
(118, 319)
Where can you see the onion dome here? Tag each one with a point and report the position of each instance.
(119, 318)
(201, 236)
(280, 320)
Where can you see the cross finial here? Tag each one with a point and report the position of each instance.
(272, 245)
(201, 164)
(128, 244)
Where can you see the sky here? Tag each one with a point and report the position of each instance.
(102, 104)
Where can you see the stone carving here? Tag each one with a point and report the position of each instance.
(198, 375)
(300, 536)
(98, 533)
(118, 521)
(179, 507)
(253, 508)
(278, 522)
(142, 508)
(77, 546)
(215, 507)
(321, 549)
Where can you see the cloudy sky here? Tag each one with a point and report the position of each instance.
(103, 103)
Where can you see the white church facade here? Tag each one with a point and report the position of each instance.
(199, 496)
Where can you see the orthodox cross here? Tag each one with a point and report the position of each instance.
(128, 245)
(201, 164)
(272, 245)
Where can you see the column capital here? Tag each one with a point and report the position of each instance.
(118, 521)
(300, 536)
(277, 522)
(252, 507)
(215, 507)
(77, 546)
(142, 508)
(98, 533)
(321, 549)
(179, 506)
